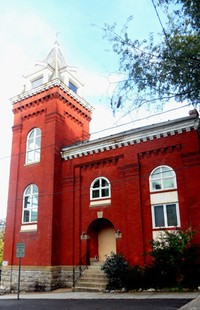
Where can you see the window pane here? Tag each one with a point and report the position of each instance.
(171, 215)
(34, 202)
(27, 191)
(72, 87)
(104, 183)
(96, 184)
(33, 215)
(167, 172)
(95, 193)
(37, 142)
(105, 192)
(34, 189)
(156, 185)
(156, 174)
(37, 82)
(30, 144)
(37, 155)
(26, 216)
(27, 202)
(168, 183)
(159, 216)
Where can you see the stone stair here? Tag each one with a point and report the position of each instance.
(93, 279)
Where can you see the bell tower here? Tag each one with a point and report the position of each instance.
(50, 113)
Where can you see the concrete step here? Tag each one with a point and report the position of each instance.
(88, 290)
(93, 285)
(93, 279)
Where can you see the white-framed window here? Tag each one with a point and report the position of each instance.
(162, 178)
(100, 188)
(73, 87)
(165, 215)
(37, 82)
(33, 143)
(30, 204)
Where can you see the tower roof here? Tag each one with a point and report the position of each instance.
(55, 58)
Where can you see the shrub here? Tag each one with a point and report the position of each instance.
(116, 268)
(175, 264)
(173, 259)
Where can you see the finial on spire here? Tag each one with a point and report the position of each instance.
(56, 36)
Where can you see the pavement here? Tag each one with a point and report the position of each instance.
(68, 294)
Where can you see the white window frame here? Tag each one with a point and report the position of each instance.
(30, 193)
(32, 146)
(161, 178)
(165, 215)
(100, 189)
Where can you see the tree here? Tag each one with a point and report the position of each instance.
(170, 68)
(2, 234)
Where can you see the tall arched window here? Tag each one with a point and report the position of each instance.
(162, 178)
(100, 188)
(164, 205)
(33, 143)
(30, 204)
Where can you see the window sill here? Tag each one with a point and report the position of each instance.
(32, 163)
(28, 228)
(100, 203)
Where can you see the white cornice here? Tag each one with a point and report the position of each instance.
(133, 136)
(48, 85)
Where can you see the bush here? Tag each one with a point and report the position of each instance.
(170, 255)
(116, 268)
(175, 264)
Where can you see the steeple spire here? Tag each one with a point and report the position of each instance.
(56, 60)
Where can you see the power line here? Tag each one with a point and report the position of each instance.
(117, 182)
(104, 130)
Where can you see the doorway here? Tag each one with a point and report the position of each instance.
(102, 239)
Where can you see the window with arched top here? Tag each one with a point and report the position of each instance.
(164, 198)
(162, 178)
(33, 144)
(100, 188)
(30, 204)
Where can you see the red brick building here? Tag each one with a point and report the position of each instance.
(71, 197)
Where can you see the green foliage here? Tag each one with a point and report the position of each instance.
(173, 259)
(170, 68)
(115, 268)
(2, 235)
(175, 264)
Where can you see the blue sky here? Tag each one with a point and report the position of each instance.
(28, 31)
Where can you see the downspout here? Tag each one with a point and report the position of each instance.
(73, 226)
(16, 191)
(140, 195)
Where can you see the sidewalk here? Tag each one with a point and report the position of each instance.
(68, 294)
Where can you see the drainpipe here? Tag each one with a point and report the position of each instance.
(140, 195)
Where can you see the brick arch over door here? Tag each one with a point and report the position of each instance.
(102, 239)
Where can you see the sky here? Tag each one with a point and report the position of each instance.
(28, 30)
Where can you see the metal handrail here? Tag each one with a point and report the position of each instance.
(80, 267)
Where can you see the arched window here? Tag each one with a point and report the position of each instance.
(30, 204)
(100, 188)
(162, 178)
(33, 146)
(164, 205)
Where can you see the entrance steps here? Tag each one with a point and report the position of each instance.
(92, 280)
